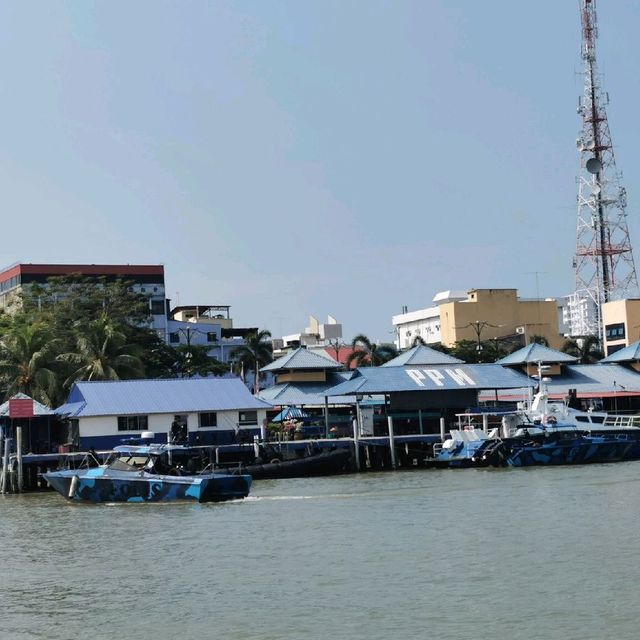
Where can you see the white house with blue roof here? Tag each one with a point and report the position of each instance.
(213, 410)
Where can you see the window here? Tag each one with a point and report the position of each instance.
(615, 331)
(132, 423)
(211, 336)
(209, 419)
(174, 337)
(157, 307)
(248, 417)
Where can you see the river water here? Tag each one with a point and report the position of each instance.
(524, 553)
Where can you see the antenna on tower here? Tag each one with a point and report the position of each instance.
(603, 264)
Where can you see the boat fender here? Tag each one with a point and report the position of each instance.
(275, 461)
(73, 486)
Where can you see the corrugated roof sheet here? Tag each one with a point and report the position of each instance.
(302, 359)
(595, 379)
(422, 355)
(302, 393)
(628, 354)
(131, 397)
(592, 380)
(38, 408)
(432, 378)
(70, 409)
(535, 352)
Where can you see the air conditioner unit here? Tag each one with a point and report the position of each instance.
(520, 330)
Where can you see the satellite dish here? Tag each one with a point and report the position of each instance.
(593, 165)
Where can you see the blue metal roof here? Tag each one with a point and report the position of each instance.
(628, 354)
(289, 413)
(132, 397)
(70, 409)
(589, 380)
(600, 379)
(421, 355)
(535, 352)
(302, 358)
(303, 394)
(434, 378)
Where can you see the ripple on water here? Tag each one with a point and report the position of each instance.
(547, 553)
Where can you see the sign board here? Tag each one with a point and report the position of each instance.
(21, 408)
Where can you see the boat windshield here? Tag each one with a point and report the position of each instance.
(130, 463)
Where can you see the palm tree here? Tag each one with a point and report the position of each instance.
(368, 354)
(586, 349)
(253, 354)
(418, 341)
(102, 353)
(27, 363)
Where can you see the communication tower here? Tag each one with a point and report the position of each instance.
(603, 263)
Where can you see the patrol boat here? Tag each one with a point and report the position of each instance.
(145, 474)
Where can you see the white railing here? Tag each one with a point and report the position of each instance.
(622, 421)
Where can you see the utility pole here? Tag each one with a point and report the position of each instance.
(603, 263)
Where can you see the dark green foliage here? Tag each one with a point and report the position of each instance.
(368, 354)
(77, 328)
(586, 349)
(255, 353)
(467, 350)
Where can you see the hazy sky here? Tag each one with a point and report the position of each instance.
(296, 157)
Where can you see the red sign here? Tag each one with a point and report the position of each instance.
(21, 408)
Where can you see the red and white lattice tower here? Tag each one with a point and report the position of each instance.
(604, 266)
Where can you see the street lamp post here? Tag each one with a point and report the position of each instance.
(478, 327)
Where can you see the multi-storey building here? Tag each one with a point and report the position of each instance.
(210, 325)
(480, 315)
(146, 279)
(621, 324)
(423, 323)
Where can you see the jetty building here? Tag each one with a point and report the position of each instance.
(212, 411)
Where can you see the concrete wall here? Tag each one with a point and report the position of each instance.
(102, 431)
(625, 312)
(499, 313)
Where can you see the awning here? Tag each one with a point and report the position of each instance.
(289, 413)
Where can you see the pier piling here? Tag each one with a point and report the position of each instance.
(392, 442)
(20, 479)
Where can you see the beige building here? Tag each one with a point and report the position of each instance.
(621, 324)
(499, 313)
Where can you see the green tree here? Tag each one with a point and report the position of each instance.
(102, 353)
(368, 354)
(256, 352)
(418, 341)
(466, 350)
(495, 349)
(539, 340)
(193, 360)
(69, 302)
(586, 349)
(27, 363)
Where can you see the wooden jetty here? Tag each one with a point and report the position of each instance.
(23, 471)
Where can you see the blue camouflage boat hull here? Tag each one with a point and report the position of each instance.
(106, 485)
(579, 450)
